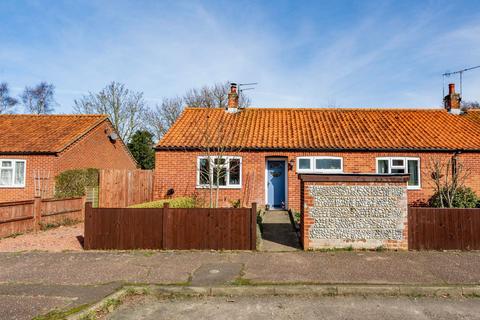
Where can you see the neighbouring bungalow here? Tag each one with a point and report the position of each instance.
(262, 151)
(35, 148)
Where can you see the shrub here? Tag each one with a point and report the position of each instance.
(72, 183)
(235, 203)
(464, 198)
(180, 202)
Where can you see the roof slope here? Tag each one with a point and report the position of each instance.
(325, 129)
(22, 133)
(474, 115)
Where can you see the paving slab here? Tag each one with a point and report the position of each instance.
(278, 233)
(211, 274)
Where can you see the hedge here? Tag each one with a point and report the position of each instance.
(180, 202)
(72, 183)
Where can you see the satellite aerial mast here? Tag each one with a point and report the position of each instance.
(460, 72)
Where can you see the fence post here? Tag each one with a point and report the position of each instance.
(165, 225)
(84, 203)
(253, 227)
(37, 212)
(87, 227)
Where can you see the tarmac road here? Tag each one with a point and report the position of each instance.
(299, 307)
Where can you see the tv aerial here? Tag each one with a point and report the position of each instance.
(459, 72)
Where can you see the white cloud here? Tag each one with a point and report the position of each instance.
(379, 59)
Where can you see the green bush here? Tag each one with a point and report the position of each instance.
(180, 202)
(235, 203)
(72, 183)
(464, 198)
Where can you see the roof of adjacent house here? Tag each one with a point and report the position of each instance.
(323, 129)
(474, 115)
(22, 133)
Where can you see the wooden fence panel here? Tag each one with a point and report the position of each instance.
(123, 228)
(122, 188)
(24, 216)
(58, 210)
(170, 228)
(16, 217)
(443, 229)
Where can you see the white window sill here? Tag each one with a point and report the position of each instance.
(414, 188)
(13, 187)
(220, 187)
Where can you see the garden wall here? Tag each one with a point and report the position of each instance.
(358, 210)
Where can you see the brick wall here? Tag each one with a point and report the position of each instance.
(45, 163)
(94, 150)
(360, 214)
(177, 170)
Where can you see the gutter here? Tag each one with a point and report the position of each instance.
(239, 149)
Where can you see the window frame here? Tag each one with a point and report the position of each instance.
(14, 173)
(227, 176)
(405, 167)
(313, 164)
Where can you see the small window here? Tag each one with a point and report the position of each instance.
(325, 164)
(223, 172)
(413, 169)
(383, 166)
(392, 165)
(234, 178)
(319, 164)
(204, 171)
(12, 173)
(304, 164)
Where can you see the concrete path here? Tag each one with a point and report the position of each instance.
(93, 268)
(41, 280)
(278, 233)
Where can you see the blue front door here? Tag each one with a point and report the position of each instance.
(276, 183)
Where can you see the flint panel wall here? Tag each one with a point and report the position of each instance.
(360, 214)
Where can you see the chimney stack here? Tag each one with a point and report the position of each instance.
(452, 100)
(233, 98)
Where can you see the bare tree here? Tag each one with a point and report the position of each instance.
(126, 109)
(39, 99)
(216, 165)
(467, 105)
(164, 115)
(215, 96)
(448, 176)
(7, 103)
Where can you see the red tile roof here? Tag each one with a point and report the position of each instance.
(43, 133)
(473, 115)
(325, 129)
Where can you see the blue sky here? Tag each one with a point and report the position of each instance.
(302, 53)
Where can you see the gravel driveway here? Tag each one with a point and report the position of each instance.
(55, 240)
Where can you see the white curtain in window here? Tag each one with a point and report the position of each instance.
(19, 172)
(6, 176)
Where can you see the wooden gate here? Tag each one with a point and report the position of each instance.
(170, 228)
(122, 188)
(443, 229)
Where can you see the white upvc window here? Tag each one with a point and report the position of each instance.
(323, 164)
(224, 170)
(392, 165)
(12, 173)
